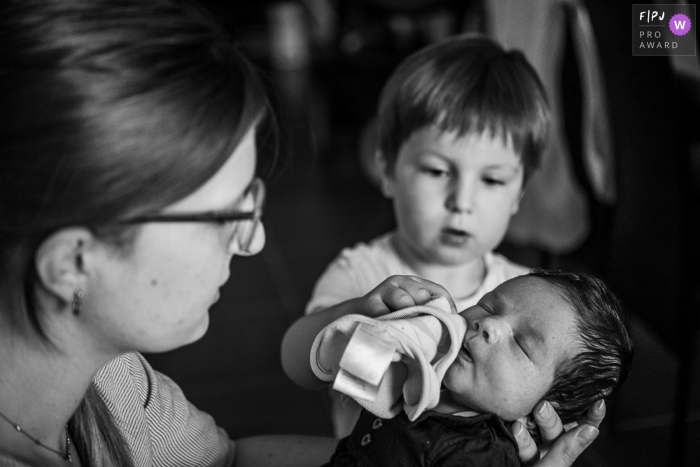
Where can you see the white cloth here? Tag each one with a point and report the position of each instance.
(359, 269)
(425, 370)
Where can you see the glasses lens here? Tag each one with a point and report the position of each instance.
(246, 234)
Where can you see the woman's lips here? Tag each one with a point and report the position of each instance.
(454, 237)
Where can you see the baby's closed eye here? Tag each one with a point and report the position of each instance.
(522, 345)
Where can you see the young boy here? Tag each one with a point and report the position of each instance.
(555, 336)
(461, 126)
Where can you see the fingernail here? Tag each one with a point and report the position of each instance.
(520, 430)
(588, 433)
(544, 409)
(600, 405)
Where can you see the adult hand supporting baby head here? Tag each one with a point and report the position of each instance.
(559, 448)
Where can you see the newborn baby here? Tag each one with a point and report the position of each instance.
(555, 336)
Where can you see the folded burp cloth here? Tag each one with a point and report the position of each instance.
(417, 333)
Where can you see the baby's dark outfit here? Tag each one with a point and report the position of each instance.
(433, 439)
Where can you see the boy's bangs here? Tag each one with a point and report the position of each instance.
(491, 110)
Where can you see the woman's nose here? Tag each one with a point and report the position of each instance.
(490, 328)
(461, 196)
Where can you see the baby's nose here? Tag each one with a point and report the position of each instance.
(490, 328)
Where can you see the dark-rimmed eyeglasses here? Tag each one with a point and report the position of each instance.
(244, 234)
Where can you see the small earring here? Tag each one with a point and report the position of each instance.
(77, 303)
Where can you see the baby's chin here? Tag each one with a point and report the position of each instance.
(508, 412)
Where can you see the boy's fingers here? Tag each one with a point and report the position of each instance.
(416, 288)
(376, 307)
(399, 292)
(548, 422)
(430, 290)
(528, 453)
(396, 298)
(568, 447)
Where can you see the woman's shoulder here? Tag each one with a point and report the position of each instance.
(126, 377)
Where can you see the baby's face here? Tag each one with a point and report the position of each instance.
(517, 335)
(453, 196)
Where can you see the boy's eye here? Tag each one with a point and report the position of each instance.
(486, 308)
(492, 181)
(435, 172)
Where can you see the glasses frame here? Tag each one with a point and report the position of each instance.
(256, 188)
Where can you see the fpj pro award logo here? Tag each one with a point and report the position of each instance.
(663, 29)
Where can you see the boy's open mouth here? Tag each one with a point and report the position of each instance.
(454, 237)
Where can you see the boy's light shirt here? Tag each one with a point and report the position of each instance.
(359, 269)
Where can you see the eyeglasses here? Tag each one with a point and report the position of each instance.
(245, 235)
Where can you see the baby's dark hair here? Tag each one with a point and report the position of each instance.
(470, 85)
(604, 345)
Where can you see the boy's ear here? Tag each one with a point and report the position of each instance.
(386, 178)
(60, 262)
(516, 202)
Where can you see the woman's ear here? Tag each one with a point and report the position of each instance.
(386, 176)
(60, 262)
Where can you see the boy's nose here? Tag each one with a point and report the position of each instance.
(461, 196)
(490, 328)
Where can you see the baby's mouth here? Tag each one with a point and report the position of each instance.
(467, 353)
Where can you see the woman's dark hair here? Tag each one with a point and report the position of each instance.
(603, 345)
(470, 85)
(109, 109)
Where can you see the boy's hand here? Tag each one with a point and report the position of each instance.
(559, 448)
(399, 292)
(394, 293)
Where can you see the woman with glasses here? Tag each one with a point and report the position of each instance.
(127, 184)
